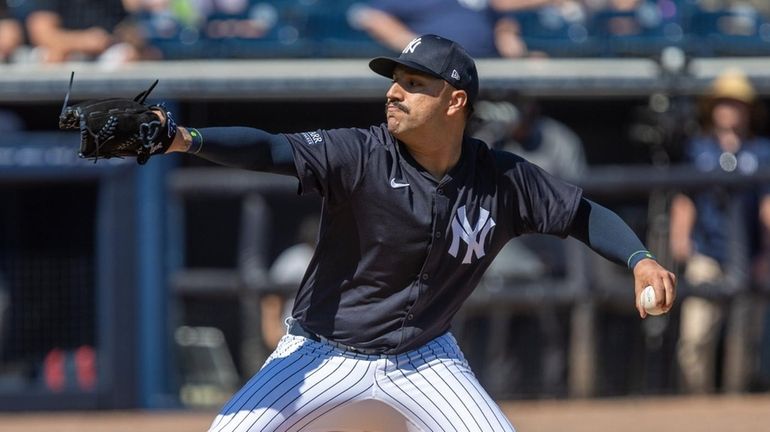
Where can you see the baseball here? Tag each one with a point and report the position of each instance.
(648, 301)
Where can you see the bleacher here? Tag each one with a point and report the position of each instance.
(279, 29)
(313, 28)
(260, 29)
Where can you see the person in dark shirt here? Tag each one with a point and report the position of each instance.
(413, 213)
(11, 34)
(699, 239)
(83, 30)
(394, 23)
(477, 25)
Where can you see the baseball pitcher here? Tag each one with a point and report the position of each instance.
(413, 213)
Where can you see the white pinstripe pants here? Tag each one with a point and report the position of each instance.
(313, 387)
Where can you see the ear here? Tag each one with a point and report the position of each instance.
(457, 100)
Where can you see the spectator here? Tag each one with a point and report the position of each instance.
(11, 35)
(518, 125)
(745, 6)
(698, 234)
(84, 30)
(474, 24)
(521, 128)
(563, 21)
(286, 273)
(625, 25)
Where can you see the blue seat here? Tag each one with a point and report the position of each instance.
(260, 30)
(330, 26)
(640, 32)
(740, 32)
(546, 31)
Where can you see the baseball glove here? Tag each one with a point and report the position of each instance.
(119, 127)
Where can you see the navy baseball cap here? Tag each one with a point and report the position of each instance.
(436, 56)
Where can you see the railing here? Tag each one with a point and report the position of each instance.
(585, 289)
(351, 80)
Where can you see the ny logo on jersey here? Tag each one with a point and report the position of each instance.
(412, 45)
(473, 237)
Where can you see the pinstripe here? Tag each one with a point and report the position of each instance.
(366, 372)
(355, 396)
(233, 400)
(452, 374)
(245, 390)
(419, 372)
(405, 372)
(395, 399)
(269, 379)
(413, 399)
(270, 364)
(481, 394)
(419, 390)
(495, 412)
(266, 374)
(304, 392)
(299, 383)
(470, 413)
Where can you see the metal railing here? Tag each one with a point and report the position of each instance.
(585, 287)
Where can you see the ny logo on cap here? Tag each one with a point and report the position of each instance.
(412, 45)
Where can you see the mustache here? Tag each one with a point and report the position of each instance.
(398, 105)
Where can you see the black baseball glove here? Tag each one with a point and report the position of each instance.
(119, 127)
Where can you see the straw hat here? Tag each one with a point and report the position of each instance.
(733, 84)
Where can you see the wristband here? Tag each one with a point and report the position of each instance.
(197, 141)
(638, 256)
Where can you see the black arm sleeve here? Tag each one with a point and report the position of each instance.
(606, 233)
(243, 147)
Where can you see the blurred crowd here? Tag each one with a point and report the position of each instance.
(127, 30)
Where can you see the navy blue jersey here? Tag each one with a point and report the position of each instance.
(398, 251)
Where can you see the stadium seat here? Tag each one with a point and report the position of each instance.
(330, 26)
(261, 30)
(736, 32)
(640, 32)
(547, 31)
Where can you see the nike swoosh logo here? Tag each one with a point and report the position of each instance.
(395, 185)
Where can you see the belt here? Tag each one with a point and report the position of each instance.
(297, 330)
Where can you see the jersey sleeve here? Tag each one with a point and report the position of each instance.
(331, 162)
(541, 203)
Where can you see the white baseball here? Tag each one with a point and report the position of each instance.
(648, 301)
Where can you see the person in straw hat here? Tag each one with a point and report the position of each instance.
(731, 117)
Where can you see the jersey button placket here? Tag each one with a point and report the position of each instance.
(436, 204)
